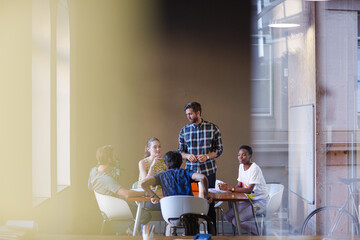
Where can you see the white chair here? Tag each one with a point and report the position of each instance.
(113, 209)
(172, 207)
(275, 192)
(274, 204)
(218, 209)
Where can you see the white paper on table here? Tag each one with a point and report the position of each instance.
(137, 189)
(213, 190)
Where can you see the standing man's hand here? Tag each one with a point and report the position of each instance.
(202, 158)
(192, 158)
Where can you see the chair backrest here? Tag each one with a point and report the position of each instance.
(172, 207)
(275, 193)
(114, 208)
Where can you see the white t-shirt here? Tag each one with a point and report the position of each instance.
(253, 176)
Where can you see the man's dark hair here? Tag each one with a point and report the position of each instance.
(173, 159)
(195, 106)
(247, 148)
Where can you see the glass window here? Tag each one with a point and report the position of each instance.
(310, 141)
(261, 80)
(63, 95)
(358, 78)
(41, 156)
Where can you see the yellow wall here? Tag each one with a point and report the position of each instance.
(15, 102)
(130, 79)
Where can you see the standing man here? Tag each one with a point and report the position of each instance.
(199, 144)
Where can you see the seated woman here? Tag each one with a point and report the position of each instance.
(151, 164)
(251, 182)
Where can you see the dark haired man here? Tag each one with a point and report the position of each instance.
(200, 143)
(101, 181)
(175, 180)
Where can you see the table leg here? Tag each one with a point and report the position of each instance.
(137, 219)
(237, 218)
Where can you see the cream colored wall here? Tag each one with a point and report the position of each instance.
(15, 105)
(130, 80)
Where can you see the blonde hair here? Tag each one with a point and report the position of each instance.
(104, 153)
(147, 153)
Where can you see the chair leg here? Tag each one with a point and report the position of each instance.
(102, 227)
(263, 224)
(204, 227)
(164, 228)
(217, 218)
(234, 230)
(255, 219)
(167, 229)
(173, 231)
(220, 216)
(170, 230)
(222, 220)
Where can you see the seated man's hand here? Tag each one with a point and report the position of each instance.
(155, 199)
(209, 198)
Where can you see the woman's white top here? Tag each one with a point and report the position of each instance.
(253, 176)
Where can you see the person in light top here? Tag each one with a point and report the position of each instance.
(251, 182)
(152, 164)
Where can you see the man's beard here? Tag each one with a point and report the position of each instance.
(195, 119)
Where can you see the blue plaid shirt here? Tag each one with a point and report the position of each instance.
(201, 139)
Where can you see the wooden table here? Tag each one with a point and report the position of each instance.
(233, 198)
(217, 196)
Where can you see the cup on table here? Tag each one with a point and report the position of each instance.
(148, 232)
(148, 236)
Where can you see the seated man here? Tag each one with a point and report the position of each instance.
(101, 181)
(175, 180)
(251, 182)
